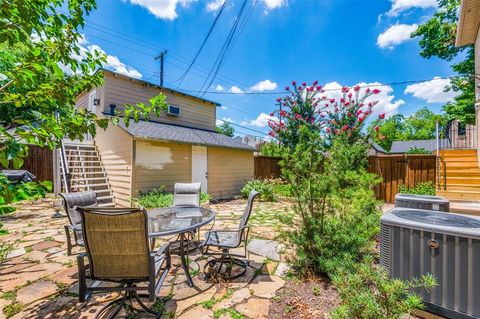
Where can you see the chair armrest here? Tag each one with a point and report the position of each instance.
(163, 249)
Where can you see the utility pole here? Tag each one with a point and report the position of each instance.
(162, 54)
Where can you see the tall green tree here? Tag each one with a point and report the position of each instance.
(418, 126)
(226, 129)
(43, 67)
(437, 39)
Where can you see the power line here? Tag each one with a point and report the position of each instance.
(335, 89)
(156, 48)
(203, 44)
(244, 127)
(226, 45)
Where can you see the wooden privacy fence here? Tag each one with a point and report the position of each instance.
(39, 162)
(266, 167)
(396, 170)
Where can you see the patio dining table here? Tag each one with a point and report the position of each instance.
(178, 220)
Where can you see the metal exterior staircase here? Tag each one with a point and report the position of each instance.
(458, 174)
(81, 169)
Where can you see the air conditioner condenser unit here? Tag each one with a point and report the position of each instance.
(414, 242)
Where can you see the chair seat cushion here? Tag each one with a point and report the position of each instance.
(222, 239)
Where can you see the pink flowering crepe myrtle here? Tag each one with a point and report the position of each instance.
(310, 106)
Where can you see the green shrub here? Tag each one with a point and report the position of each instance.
(159, 197)
(367, 292)
(425, 188)
(419, 150)
(336, 215)
(265, 188)
(281, 188)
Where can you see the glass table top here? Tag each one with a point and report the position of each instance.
(174, 220)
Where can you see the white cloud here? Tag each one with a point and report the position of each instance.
(214, 5)
(226, 119)
(261, 120)
(265, 85)
(235, 89)
(273, 4)
(223, 107)
(219, 88)
(395, 35)
(386, 100)
(162, 9)
(432, 91)
(399, 6)
(113, 62)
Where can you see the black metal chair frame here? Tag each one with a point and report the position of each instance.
(128, 286)
(225, 257)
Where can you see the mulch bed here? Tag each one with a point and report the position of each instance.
(304, 299)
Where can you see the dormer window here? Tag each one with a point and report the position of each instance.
(173, 110)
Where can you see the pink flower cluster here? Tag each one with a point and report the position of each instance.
(309, 105)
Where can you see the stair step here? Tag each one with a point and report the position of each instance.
(84, 161)
(77, 155)
(86, 179)
(89, 173)
(106, 205)
(89, 185)
(69, 147)
(85, 167)
(78, 152)
(459, 195)
(104, 197)
(102, 190)
(461, 159)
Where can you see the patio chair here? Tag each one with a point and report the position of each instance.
(187, 194)
(227, 239)
(117, 247)
(71, 201)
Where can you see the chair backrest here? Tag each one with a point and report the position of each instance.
(187, 194)
(116, 241)
(73, 200)
(248, 209)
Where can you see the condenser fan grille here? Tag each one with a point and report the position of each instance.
(440, 219)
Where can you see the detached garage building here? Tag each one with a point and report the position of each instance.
(179, 146)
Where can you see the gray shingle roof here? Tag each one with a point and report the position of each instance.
(160, 131)
(405, 146)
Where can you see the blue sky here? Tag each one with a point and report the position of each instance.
(337, 42)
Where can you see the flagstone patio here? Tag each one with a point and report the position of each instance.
(39, 279)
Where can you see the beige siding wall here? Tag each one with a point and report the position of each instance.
(82, 99)
(158, 163)
(227, 171)
(116, 150)
(194, 113)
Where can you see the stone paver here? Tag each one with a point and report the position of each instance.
(237, 297)
(266, 286)
(197, 313)
(255, 308)
(266, 248)
(39, 268)
(39, 290)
